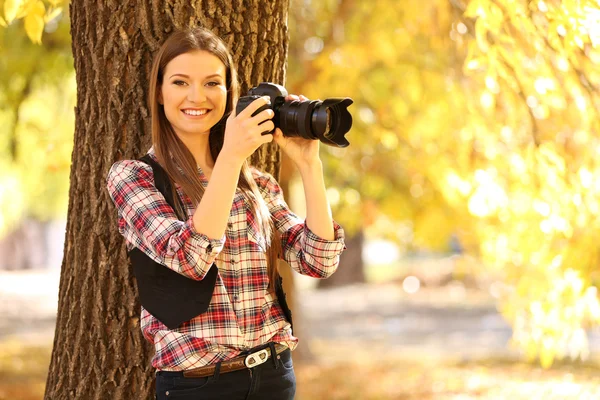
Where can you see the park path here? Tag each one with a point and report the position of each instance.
(439, 322)
(28, 303)
(381, 319)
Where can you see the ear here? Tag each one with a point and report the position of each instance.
(160, 97)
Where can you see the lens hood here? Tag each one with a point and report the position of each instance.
(331, 120)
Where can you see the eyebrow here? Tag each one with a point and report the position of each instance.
(187, 76)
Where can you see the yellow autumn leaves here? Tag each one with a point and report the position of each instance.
(479, 118)
(35, 14)
(536, 216)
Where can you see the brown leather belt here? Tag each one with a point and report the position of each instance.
(235, 364)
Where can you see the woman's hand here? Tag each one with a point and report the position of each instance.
(243, 132)
(303, 152)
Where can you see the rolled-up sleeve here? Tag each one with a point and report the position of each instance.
(306, 252)
(149, 223)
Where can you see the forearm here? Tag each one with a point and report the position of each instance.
(213, 211)
(318, 212)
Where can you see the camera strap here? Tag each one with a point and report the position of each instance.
(169, 296)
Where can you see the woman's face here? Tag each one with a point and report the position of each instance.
(194, 92)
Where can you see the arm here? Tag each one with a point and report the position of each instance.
(243, 135)
(149, 223)
(213, 210)
(318, 212)
(305, 251)
(313, 248)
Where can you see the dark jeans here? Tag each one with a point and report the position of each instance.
(273, 380)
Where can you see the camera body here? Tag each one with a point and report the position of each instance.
(327, 121)
(275, 92)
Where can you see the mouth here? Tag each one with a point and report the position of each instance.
(195, 112)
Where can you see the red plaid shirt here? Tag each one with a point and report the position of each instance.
(241, 314)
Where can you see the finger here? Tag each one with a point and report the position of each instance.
(255, 105)
(266, 128)
(291, 97)
(303, 98)
(267, 138)
(261, 117)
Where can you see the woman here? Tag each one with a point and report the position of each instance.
(236, 221)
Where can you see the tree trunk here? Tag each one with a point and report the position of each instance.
(351, 269)
(99, 352)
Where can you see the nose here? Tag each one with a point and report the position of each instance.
(196, 94)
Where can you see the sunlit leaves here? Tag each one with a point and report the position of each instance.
(37, 96)
(34, 22)
(551, 305)
(45, 133)
(11, 198)
(11, 9)
(396, 73)
(52, 14)
(34, 13)
(494, 112)
(543, 121)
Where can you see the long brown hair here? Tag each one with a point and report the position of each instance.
(175, 157)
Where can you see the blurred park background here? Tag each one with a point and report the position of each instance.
(470, 196)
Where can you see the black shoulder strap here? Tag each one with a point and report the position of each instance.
(171, 297)
(163, 184)
(282, 299)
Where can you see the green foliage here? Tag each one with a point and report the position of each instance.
(37, 96)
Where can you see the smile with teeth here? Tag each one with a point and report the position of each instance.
(196, 112)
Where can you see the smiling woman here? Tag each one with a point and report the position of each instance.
(194, 95)
(200, 224)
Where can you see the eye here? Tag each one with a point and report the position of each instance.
(213, 84)
(179, 82)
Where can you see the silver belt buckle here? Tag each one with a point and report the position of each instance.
(254, 359)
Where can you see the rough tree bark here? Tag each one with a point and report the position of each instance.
(99, 352)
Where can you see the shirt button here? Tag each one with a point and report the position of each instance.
(233, 261)
(235, 297)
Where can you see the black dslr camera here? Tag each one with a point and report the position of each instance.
(327, 120)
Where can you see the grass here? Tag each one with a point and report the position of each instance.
(23, 371)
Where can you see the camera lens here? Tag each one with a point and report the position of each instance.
(295, 118)
(327, 121)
